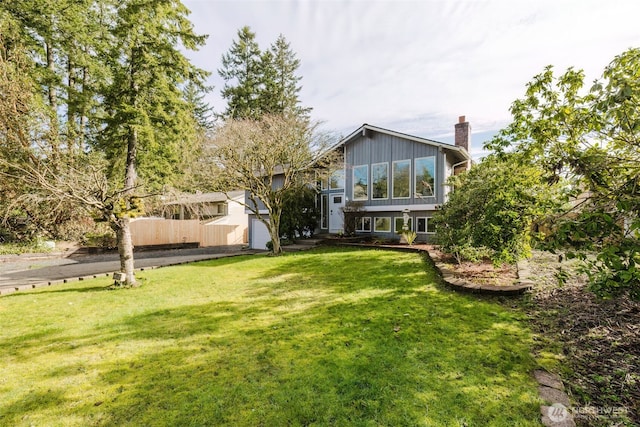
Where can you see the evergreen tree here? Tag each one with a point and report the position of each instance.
(65, 39)
(258, 83)
(281, 89)
(242, 73)
(148, 120)
(201, 110)
(61, 43)
(91, 65)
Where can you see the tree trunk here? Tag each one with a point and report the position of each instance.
(53, 102)
(274, 232)
(83, 112)
(125, 250)
(72, 103)
(125, 244)
(51, 65)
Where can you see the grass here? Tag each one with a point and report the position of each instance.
(323, 337)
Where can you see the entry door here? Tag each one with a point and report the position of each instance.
(336, 218)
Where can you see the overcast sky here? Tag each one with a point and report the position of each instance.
(415, 66)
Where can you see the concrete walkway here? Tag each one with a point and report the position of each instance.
(32, 271)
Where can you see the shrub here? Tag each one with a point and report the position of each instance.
(352, 213)
(106, 239)
(300, 215)
(410, 236)
(492, 209)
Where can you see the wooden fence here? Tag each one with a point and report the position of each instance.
(152, 231)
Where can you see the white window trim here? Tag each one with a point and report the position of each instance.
(429, 218)
(394, 179)
(344, 178)
(361, 221)
(372, 181)
(375, 228)
(395, 218)
(400, 208)
(426, 225)
(353, 182)
(324, 182)
(322, 215)
(415, 177)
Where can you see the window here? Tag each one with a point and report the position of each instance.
(380, 181)
(382, 224)
(361, 182)
(431, 227)
(321, 180)
(324, 209)
(336, 181)
(399, 222)
(425, 225)
(364, 224)
(425, 183)
(401, 179)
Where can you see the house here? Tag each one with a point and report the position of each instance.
(388, 175)
(207, 207)
(205, 219)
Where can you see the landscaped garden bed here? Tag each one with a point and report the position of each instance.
(481, 272)
(593, 343)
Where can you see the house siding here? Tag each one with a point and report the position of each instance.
(393, 233)
(278, 181)
(369, 146)
(382, 148)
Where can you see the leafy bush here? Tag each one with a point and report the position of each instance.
(492, 209)
(592, 137)
(300, 215)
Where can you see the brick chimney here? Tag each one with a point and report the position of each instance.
(463, 133)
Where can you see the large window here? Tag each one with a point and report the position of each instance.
(402, 179)
(382, 224)
(361, 182)
(321, 180)
(425, 184)
(363, 224)
(399, 222)
(425, 225)
(324, 217)
(336, 181)
(380, 181)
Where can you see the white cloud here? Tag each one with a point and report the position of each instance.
(414, 66)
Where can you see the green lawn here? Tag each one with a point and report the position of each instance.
(325, 337)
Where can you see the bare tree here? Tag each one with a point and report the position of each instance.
(267, 158)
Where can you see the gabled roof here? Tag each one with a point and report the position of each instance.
(198, 198)
(460, 151)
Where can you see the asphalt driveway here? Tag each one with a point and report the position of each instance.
(26, 272)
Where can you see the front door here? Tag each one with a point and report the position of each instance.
(336, 218)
